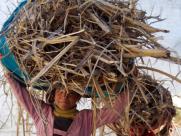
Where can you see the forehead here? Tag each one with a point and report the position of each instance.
(60, 90)
(65, 91)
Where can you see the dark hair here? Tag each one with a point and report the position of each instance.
(50, 96)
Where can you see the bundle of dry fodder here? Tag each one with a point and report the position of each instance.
(85, 43)
(153, 111)
(72, 41)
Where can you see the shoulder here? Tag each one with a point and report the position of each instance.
(85, 112)
(84, 115)
(82, 124)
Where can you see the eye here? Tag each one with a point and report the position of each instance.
(72, 93)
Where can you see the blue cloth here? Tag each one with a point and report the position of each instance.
(8, 60)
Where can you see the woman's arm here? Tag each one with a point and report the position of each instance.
(24, 98)
(111, 115)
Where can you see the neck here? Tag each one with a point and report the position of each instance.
(70, 113)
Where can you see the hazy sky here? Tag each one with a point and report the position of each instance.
(171, 11)
(6, 8)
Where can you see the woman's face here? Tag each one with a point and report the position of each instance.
(66, 101)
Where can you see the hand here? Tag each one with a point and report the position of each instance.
(7, 74)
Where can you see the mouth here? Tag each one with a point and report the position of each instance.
(62, 102)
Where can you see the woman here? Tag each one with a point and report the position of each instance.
(63, 119)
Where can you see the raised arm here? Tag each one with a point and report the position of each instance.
(111, 115)
(24, 98)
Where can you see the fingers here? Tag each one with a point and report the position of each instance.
(7, 74)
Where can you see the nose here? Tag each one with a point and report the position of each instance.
(64, 94)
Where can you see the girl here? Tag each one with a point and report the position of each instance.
(63, 119)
